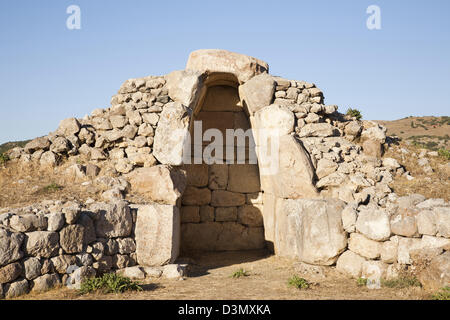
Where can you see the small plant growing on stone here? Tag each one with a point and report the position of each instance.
(354, 113)
(239, 273)
(4, 158)
(442, 294)
(299, 283)
(361, 282)
(401, 282)
(109, 283)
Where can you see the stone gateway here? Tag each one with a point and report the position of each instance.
(297, 178)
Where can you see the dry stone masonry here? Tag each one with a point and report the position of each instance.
(328, 203)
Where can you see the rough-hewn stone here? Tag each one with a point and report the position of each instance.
(157, 234)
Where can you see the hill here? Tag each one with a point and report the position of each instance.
(432, 133)
(9, 145)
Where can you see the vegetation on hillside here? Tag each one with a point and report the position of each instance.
(10, 145)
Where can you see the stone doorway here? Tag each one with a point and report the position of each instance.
(221, 209)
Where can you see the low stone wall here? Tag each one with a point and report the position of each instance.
(412, 234)
(54, 243)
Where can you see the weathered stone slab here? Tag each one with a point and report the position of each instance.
(197, 174)
(170, 135)
(162, 184)
(196, 196)
(374, 224)
(310, 230)
(218, 176)
(112, 219)
(294, 178)
(222, 198)
(243, 178)
(223, 61)
(157, 234)
(184, 86)
(42, 244)
(350, 263)
(258, 92)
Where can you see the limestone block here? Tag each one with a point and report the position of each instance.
(197, 174)
(223, 61)
(363, 246)
(226, 214)
(171, 133)
(258, 92)
(194, 196)
(190, 214)
(243, 178)
(222, 198)
(350, 263)
(374, 224)
(161, 183)
(218, 176)
(157, 234)
(184, 86)
(310, 230)
(251, 215)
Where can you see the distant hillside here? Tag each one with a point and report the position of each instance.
(9, 145)
(428, 132)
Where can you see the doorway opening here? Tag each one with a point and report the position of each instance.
(222, 207)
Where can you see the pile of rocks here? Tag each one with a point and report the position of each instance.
(123, 133)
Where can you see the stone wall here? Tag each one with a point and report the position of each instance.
(52, 243)
(222, 208)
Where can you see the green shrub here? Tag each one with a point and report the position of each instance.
(354, 113)
(443, 294)
(52, 187)
(240, 273)
(444, 153)
(109, 283)
(401, 282)
(299, 283)
(361, 282)
(4, 158)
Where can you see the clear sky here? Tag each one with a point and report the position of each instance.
(48, 72)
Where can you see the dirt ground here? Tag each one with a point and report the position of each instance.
(210, 278)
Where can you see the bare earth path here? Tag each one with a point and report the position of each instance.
(210, 278)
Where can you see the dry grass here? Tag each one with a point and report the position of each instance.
(435, 185)
(23, 185)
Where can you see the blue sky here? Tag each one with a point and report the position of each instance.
(48, 73)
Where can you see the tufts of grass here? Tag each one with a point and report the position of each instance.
(299, 283)
(442, 294)
(444, 153)
(401, 282)
(354, 113)
(361, 282)
(52, 187)
(239, 273)
(109, 283)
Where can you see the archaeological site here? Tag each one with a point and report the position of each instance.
(221, 156)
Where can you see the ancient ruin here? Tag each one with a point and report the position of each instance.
(321, 197)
